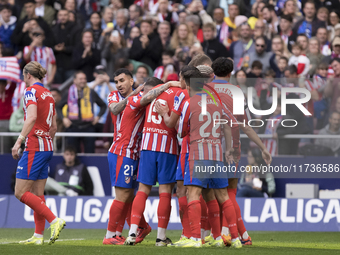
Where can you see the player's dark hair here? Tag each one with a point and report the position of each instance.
(153, 82)
(169, 53)
(144, 66)
(190, 72)
(200, 59)
(71, 149)
(256, 64)
(124, 71)
(222, 66)
(292, 69)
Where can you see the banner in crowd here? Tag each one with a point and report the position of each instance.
(259, 214)
(9, 69)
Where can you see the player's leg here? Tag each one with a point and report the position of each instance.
(213, 213)
(229, 214)
(34, 166)
(232, 190)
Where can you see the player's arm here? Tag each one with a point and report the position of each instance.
(152, 94)
(53, 128)
(163, 110)
(117, 108)
(31, 117)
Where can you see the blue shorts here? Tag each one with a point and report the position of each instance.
(33, 165)
(123, 171)
(157, 166)
(196, 174)
(183, 158)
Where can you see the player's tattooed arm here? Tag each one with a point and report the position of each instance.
(117, 108)
(152, 94)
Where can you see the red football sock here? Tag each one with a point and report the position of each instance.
(116, 211)
(240, 225)
(121, 223)
(128, 214)
(194, 212)
(204, 214)
(143, 223)
(138, 207)
(39, 220)
(164, 210)
(37, 205)
(183, 212)
(229, 213)
(214, 217)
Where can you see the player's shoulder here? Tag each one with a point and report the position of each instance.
(113, 96)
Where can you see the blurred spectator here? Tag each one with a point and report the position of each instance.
(42, 10)
(303, 40)
(79, 114)
(102, 86)
(260, 53)
(122, 25)
(314, 55)
(309, 24)
(67, 35)
(279, 49)
(6, 94)
(333, 22)
(116, 5)
(96, 29)
(260, 30)
(167, 58)
(141, 75)
(322, 14)
(135, 15)
(44, 55)
(241, 81)
(333, 89)
(107, 20)
(164, 30)
(300, 60)
(60, 126)
(135, 32)
(163, 13)
(255, 73)
(291, 9)
(147, 48)
(272, 20)
(85, 56)
(7, 25)
(255, 184)
(16, 121)
(193, 21)
(182, 38)
(73, 175)
(240, 50)
(20, 36)
(114, 48)
(286, 32)
(71, 6)
(333, 128)
(211, 45)
(322, 36)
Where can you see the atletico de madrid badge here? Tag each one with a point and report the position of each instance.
(127, 179)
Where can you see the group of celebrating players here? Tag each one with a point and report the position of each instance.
(147, 124)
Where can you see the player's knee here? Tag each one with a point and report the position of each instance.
(18, 194)
(181, 191)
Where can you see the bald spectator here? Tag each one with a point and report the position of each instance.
(260, 53)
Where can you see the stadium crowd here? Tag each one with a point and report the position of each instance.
(274, 44)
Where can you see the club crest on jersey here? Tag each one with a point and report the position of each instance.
(135, 99)
(176, 102)
(30, 95)
(127, 179)
(114, 97)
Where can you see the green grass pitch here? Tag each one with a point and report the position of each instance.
(89, 241)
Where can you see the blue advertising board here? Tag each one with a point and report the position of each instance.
(260, 214)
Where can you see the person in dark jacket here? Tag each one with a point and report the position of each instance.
(211, 45)
(67, 34)
(147, 48)
(20, 36)
(78, 114)
(310, 24)
(86, 57)
(7, 25)
(73, 175)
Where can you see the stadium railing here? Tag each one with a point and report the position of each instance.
(98, 135)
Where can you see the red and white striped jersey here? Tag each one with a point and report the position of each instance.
(18, 94)
(158, 73)
(271, 144)
(39, 138)
(9, 69)
(115, 97)
(156, 135)
(44, 56)
(129, 134)
(183, 126)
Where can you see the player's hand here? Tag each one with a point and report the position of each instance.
(236, 154)
(144, 40)
(26, 26)
(229, 156)
(15, 150)
(267, 157)
(95, 121)
(67, 122)
(161, 109)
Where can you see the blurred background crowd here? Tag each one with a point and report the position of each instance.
(274, 44)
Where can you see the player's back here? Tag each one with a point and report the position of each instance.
(156, 135)
(39, 138)
(205, 135)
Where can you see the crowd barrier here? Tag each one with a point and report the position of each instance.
(259, 214)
